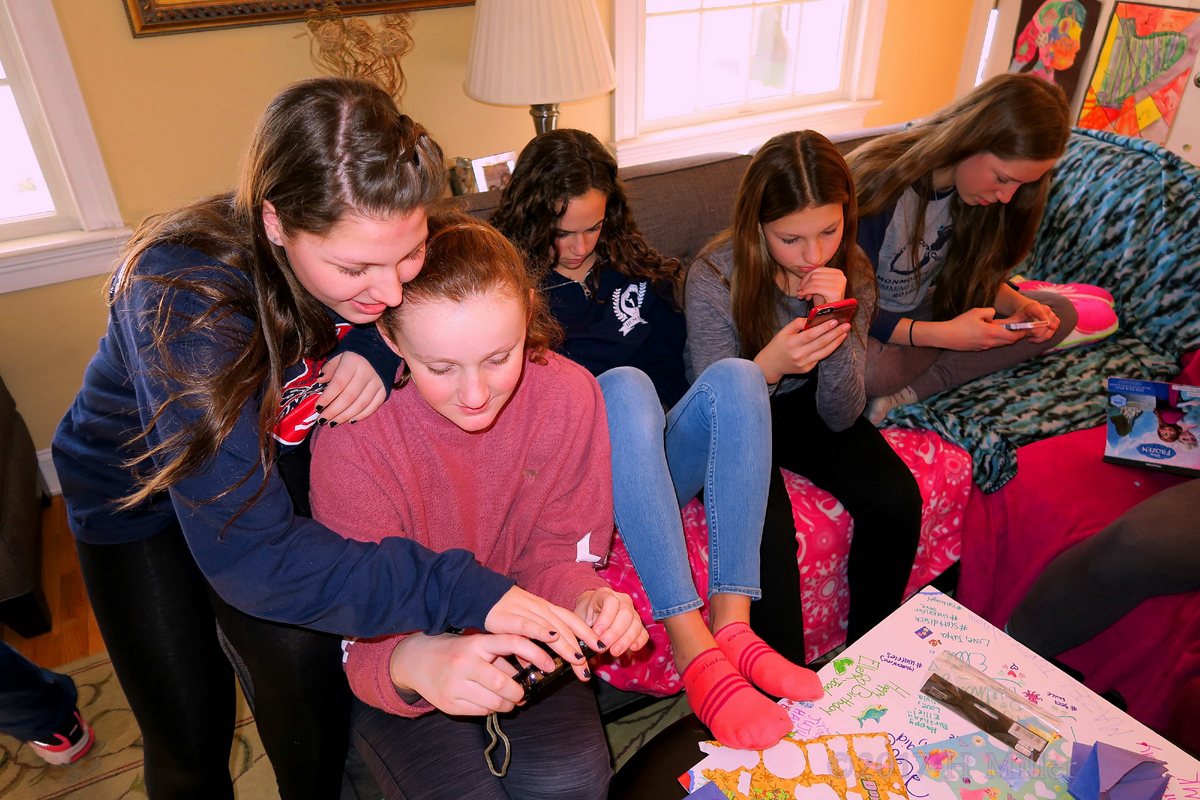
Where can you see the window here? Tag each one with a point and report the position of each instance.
(703, 75)
(58, 217)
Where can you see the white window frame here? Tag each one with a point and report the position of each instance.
(740, 132)
(36, 57)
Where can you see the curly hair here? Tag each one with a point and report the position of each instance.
(555, 168)
(324, 149)
(465, 258)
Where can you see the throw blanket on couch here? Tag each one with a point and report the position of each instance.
(1122, 214)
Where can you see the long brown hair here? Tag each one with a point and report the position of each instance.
(791, 172)
(324, 149)
(555, 168)
(1014, 117)
(466, 258)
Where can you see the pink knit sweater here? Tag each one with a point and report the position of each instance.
(521, 496)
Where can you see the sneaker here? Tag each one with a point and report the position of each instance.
(69, 744)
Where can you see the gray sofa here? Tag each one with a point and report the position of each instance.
(681, 203)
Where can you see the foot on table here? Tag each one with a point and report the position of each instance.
(764, 667)
(737, 714)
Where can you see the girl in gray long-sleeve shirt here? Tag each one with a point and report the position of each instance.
(748, 294)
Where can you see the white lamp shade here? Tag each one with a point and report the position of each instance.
(528, 52)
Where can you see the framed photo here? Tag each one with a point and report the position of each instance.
(158, 17)
(493, 173)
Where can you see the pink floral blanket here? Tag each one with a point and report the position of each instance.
(823, 530)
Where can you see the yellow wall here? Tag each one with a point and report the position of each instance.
(920, 58)
(172, 115)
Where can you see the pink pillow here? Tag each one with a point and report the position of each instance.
(1097, 319)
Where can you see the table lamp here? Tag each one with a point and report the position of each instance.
(538, 53)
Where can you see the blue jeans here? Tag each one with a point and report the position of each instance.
(717, 438)
(34, 702)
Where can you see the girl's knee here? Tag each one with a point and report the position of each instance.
(631, 401)
(738, 383)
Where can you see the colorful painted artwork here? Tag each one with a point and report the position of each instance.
(976, 767)
(836, 767)
(1144, 63)
(1053, 39)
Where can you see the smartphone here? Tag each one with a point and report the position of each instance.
(1025, 326)
(532, 679)
(842, 311)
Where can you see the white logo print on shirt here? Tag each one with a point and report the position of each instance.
(627, 305)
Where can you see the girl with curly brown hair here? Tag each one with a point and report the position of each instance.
(617, 300)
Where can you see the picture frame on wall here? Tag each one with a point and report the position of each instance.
(1142, 70)
(159, 17)
(492, 173)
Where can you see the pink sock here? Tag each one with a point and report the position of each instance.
(765, 668)
(737, 715)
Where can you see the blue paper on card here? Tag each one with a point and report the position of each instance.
(708, 791)
(1105, 772)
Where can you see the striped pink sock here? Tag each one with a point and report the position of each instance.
(765, 668)
(737, 715)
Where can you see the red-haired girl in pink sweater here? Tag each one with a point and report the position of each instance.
(496, 445)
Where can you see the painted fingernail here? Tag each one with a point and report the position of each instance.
(587, 673)
(579, 656)
(353, 421)
(321, 421)
(553, 634)
(320, 409)
(320, 374)
(333, 424)
(602, 645)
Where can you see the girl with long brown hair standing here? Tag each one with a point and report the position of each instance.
(749, 293)
(215, 365)
(948, 208)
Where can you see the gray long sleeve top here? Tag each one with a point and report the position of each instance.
(841, 395)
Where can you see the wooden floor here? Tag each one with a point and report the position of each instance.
(73, 632)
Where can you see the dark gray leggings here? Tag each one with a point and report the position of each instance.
(930, 370)
(558, 750)
(1152, 549)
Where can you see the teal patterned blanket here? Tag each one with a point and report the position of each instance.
(1123, 214)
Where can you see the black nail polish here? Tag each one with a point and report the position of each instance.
(553, 634)
(333, 424)
(579, 656)
(587, 673)
(320, 409)
(321, 421)
(353, 421)
(320, 375)
(602, 645)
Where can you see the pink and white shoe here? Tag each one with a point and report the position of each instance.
(69, 745)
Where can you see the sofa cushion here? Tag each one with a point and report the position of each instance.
(1122, 214)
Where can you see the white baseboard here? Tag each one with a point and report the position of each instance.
(49, 475)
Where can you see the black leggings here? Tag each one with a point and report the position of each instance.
(860, 469)
(1151, 549)
(159, 620)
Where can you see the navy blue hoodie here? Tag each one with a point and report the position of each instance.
(269, 562)
(631, 325)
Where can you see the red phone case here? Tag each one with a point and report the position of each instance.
(842, 311)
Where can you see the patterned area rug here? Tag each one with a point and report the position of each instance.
(113, 768)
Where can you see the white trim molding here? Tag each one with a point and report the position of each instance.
(95, 232)
(49, 473)
(741, 134)
(54, 258)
